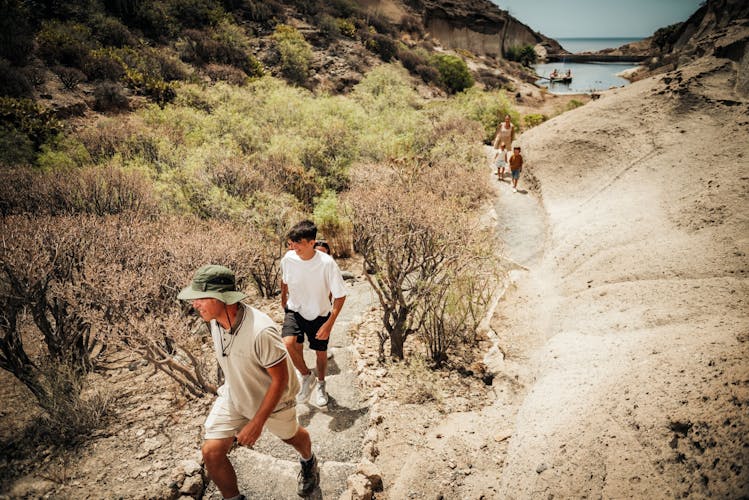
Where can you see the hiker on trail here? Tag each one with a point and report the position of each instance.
(308, 280)
(500, 161)
(505, 133)
(259, 387)
(516, 166)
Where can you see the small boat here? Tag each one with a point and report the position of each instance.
(556, 77)
(561, 79)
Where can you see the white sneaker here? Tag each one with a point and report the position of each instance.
(514, 190)
(306, 382)
(321, 397)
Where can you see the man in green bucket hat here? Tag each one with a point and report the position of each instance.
(259, 389)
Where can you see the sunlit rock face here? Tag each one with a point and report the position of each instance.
(478, 26)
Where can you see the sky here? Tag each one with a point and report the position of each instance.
(599, 18)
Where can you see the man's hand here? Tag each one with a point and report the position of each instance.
(324, 332)
(249, 433)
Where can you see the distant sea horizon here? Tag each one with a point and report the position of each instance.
(592, 44)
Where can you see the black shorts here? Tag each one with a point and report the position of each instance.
(295, 325)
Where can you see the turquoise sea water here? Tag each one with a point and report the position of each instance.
(586, 77)
(576, 45)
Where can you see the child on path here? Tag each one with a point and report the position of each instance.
(500, 161)
(516, 166)
(309, 278)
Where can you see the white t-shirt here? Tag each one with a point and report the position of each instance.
(255, 346)
(310, 282)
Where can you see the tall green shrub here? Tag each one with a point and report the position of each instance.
(295, 52)
(454, 74)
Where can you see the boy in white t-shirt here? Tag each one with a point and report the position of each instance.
(308, 279)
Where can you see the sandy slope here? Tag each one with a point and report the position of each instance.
(641, 385)
(622, 359)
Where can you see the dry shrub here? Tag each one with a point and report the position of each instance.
(292, 177)
(110, 96)
(106, 137)
(417, 234)
(226, 73)
(108, 189)
(70, 77)
(154, 260)
(70, 409)
(237, 176)
(97, 282)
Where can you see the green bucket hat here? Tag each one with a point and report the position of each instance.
(215, 282)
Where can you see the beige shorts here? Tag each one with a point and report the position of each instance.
(225, 421)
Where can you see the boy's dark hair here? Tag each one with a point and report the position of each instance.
(305, 230)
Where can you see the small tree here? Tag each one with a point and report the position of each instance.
(525, 54)
(42, 270)
(296, 53)
(454, 74)
(414, 235)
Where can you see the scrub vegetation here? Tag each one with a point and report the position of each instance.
(191, 151)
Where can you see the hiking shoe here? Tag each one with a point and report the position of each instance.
(321, 397)
(309, 477)
(306, 382)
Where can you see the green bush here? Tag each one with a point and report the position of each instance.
(454, 74)
(105, 64)
(196, 13)
(224, 44)
(62, 153)
(525, 54)
(15, 147)
(333, 224)
(295, 52)
(155, 20)
(65, 43)
(534, 119)
(328, 26)
(346, 27)
(110, 32)
(30, 119)
(260, 10)
(574, 103)
(342, 8)
(487, 108)
(383, 46)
